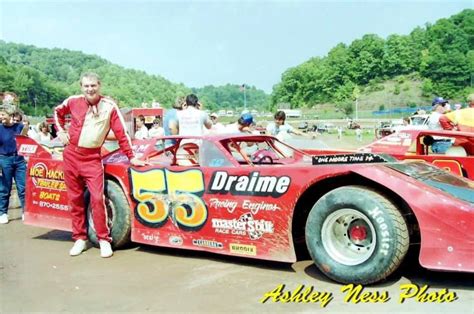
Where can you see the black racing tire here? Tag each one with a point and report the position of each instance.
(356, 235)
(118, 213)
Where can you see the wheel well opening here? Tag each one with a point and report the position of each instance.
(317, 190)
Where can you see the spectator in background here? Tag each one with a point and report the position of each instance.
(142, 130)
(461, 119)
(339, 132)
(17, 117)
(282, 130)
(31, 130)
(435, 120)
(43, 134)
(243, 125)
(12, 166)
(170, 120)
(439, 108)
(217, 127)
(191, 120)
(358, 132)
(156, 130)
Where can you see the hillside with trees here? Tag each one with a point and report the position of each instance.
(42, 78)
(399, 71)
(438, 58)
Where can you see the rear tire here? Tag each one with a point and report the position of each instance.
(356, 235)
(118, 213)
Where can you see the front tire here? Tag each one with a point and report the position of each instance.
(118, 216)
(356, 235)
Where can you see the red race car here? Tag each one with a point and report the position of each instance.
(257, 197)
(416, 145)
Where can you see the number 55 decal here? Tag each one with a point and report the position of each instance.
(160, 192)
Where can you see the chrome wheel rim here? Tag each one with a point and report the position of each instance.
(348, 236)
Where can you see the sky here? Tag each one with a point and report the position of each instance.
(201, 43)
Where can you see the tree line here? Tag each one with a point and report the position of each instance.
(42, 78)
(441, 55)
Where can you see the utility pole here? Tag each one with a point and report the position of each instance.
(357, 109)
(245, 96)
(34, 101)
(355, 95)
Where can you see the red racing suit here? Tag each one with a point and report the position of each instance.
(82, 159)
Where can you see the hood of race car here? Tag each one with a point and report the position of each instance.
(460, 188)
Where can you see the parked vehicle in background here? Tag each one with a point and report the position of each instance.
(352, 125)
(416, 122)
(303, 126)
(327, 127)
(416, 145)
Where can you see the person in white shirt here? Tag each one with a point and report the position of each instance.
(142, 130)
(43, 134)
(156, 130)
(217, 127)
(191, 120)
(439, 106)
(282, 130)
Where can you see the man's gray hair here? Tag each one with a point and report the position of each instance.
(8, 109)
(90, 75)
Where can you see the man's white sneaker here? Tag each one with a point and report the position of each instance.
(3, 219)
(78, 247)
(105, 249)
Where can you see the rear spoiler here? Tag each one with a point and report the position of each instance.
(356, 158)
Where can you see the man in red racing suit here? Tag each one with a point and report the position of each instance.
(92, 116)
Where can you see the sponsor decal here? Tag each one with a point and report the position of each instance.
(40, 170)
(175, 240)
(208, 243)
(255, 207)
(243, 249)
(247, 205)
(348, 159)
(53, 206)
(42, 177)
(245, 225)
(151, 237)
(49, 196)
(223, 204)
(252, 184)
(27, 149)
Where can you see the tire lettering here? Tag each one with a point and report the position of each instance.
(385, 246)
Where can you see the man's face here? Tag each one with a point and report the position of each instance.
(4, 117)
(90, 88)
(279, 122)
(441, 108)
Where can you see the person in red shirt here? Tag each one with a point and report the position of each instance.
(92, 116)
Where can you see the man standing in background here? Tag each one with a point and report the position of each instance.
(192, 120)
(142, 130)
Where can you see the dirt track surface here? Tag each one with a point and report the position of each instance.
(38, 275)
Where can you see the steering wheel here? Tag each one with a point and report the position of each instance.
(265, 160)
(262, 157)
